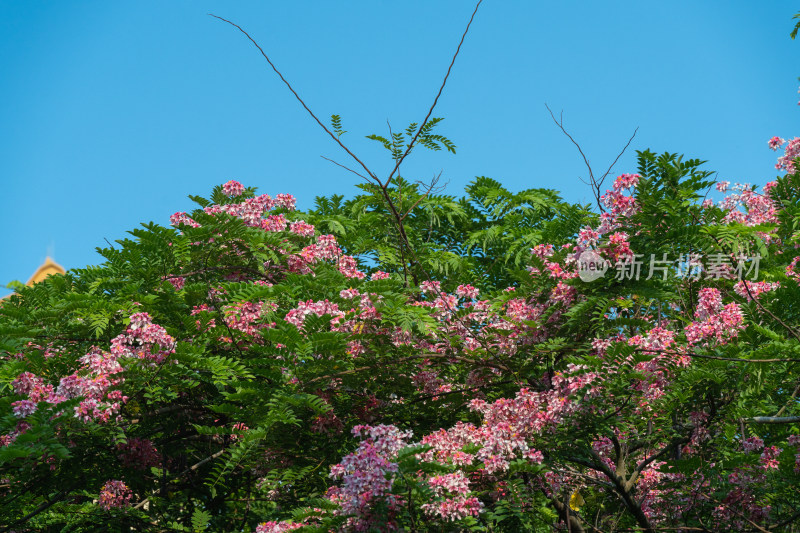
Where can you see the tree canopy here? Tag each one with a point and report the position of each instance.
(406, 359)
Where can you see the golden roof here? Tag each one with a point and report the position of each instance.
(48, 268)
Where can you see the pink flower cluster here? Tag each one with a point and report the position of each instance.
(752, 444)
(791, 153)
(114, 493)
(657, 369)
(93, 381)
(455, 508)
(715, 321)
(758, 208)
(366, 474)
(769, 458)
(99, 373)
(182, 219)
(455, 502)
(245, 316)
(740, 500)
(143, 340)
(791, 269)
(430, 286)
(509, 423)
(626, 181)
(233, 188)
(543, 251)
(277, 527)
(588, 237)
(297, 316)
(177, 282)
(746, 289)
(467, 291)
(429, 383)
(619, 204)
(251, 210)
(325, 249)
(12, 435)
(349, 267)
(619, 249)
(300, 227)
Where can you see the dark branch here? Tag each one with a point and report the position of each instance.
(435, 100)
(329, 132)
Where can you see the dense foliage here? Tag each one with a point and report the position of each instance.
(254, 367)
(409, 360)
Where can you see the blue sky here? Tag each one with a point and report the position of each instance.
(113, 112)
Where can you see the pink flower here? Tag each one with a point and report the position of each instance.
(23, 408)
(275, 223)
(752, 444)
(626, 181)
(177, 282)
(543, 251)
(182, 219)
(300, 227)
(297, 316)
(775, 143)
(791, 152)
(588, 237)
(430, 286)
(455, 508)
(755, 288)
(467, 291)
(287, 201)
(26, 383)
(114, 493)
(349, 293)
(349, 267)
(277, 527)
(233, 188)
(368, 473)
(143, 340)
(769, 458)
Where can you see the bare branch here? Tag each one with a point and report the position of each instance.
(560, 123)
(430, 186)
(595, 183)
(329, 132)
(770, 313)
(435, 100)
(775, 419)
(603, 177)
(346, 168)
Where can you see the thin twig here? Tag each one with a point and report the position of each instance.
(595, 184)
(435, 100)
(329, 132)
(603, 177)
(770, 313)
(346, 168)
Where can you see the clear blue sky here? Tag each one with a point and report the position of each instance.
(113, 112)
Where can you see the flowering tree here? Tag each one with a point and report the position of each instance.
(254, 367)
(408, 360)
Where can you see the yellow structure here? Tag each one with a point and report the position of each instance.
(48, 268)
